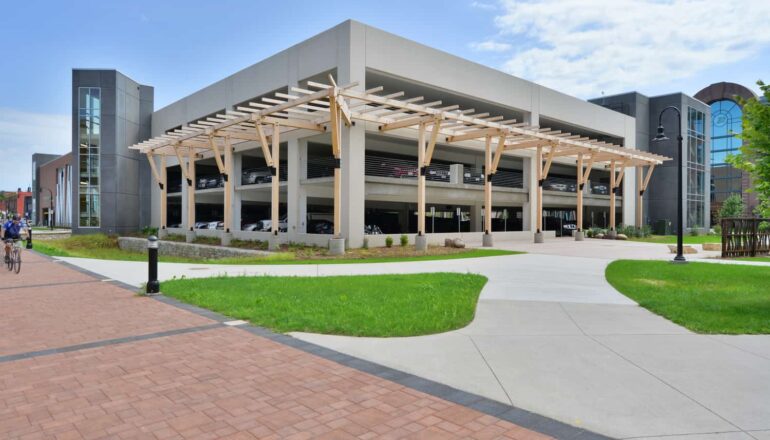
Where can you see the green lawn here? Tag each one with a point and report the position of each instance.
(671, 239)
(104, 247)
(368, 305)
(705, 298)
(757, 259)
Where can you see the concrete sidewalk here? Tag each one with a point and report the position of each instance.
(552, 336)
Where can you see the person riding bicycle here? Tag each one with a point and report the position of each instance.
(12, 230)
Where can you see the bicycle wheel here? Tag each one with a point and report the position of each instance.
(17, 260)
(11, 261)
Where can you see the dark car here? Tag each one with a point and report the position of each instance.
(255, 177)
(323, 227)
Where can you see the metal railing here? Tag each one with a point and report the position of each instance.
(745, 237)
(320, 167)
(502, 178)
(382, 166)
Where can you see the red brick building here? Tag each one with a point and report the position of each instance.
(16, 202)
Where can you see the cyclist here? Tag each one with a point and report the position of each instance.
(12, 230)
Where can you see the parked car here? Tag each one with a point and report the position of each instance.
(323, 227)
(402, 172)
(267, 225)
(252, 227)
(201, 225)
(555, 186)
(211, 225)
(440, 175)
(472, 178)
(202, 182)
(215, 182)
(600, 189)
(220, 225)
(372, 230)
(254, 177)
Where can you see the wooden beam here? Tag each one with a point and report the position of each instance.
(408, 122)
(473, 134)
(549, 161)
(264, 144)
(154, 169)
(217, 157)
(182, 165)
(498, 153)
(334, 123)
(621, 174)
(526, 144)
(639, 197)
(433, 139)
(344, 110)
(588, 170)
(647, 179)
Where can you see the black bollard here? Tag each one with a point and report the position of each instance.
(153, 286)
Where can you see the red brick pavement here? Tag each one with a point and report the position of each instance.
(221, 383)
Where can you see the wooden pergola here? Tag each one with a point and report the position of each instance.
(326, 107)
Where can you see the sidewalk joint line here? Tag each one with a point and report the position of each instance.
(105, 342)
(507, 396)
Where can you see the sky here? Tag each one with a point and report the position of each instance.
(584, 48)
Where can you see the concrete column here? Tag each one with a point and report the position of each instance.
(456, 173)
(353, 185)
(476, 223)
(529, 169)
(351, 68)
(300, 200)
(237, 195)
(293, 188)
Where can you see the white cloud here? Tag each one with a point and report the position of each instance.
(584, 47)
(490, 46)
(483, 5)
(24, 133)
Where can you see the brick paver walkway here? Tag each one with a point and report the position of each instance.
(206, 381)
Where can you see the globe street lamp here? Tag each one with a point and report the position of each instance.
(679, 197)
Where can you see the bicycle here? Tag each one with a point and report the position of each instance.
(14, 256)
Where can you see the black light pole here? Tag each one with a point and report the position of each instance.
(153, 286)
(680, 227)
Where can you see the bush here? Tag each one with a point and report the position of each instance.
(718, 229)
(732, 207)
(388, 241)
(249, 244)
(149, 230)
(404, 240)
(695, 231)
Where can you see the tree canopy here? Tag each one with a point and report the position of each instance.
(754, 156)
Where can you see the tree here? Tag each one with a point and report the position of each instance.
(754, 156)
(732, 207)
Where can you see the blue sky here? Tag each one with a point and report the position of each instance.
(580, 47)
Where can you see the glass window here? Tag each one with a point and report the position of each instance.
(89, 115)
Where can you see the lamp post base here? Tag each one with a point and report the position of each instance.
(487, 240)
(679, 259)
(579, 235)
(539, 238)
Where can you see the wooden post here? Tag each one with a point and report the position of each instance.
(334, 122)
(163, 193)
(612, 195)
(488, 186)
(639, 195)
(539, 204)
(276, 180)
(579, 190)
(191, 184)
(229, 186)
(421, 181)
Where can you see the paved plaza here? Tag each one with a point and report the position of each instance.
(553, 337)
(83, 357)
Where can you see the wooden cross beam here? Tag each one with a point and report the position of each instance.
(265, 146)
(433, 139)
(217, 157)
(154, 169)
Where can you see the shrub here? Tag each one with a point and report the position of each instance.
(404, 240)
(732, 207)
(695, 231)
(388, 241)
(149, 230)
(718, 229)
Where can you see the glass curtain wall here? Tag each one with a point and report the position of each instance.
(726, 118)
(696, 168)
(89, 121)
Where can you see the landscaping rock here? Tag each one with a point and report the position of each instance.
(189, 250)
(448, 242)
(621, 237)
(685, 249)
(599, 235)
(458, 243)
(712, 246)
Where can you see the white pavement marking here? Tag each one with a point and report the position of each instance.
(235, 323)
(552, 336)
